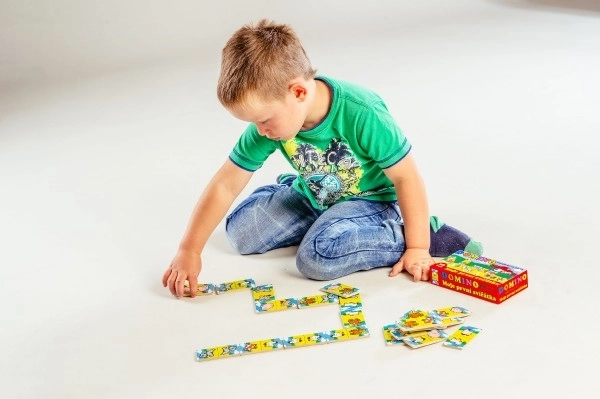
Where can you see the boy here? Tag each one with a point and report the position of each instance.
(358, 201)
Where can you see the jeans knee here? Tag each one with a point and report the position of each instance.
(238, 239)
(311, 266)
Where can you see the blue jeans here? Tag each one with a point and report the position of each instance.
(346, 238)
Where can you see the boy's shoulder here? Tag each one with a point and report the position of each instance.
(350, 91)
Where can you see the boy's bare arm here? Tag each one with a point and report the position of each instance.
(213, 204)
(414, 207)
(210, 209)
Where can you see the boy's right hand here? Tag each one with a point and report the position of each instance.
(185, 266)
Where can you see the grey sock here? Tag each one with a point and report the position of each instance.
(445, 240)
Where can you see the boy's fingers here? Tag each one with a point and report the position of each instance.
(193, 285)
(179, 285)
(416, 272)
(165, 277)
(171, 282)
(396, 269)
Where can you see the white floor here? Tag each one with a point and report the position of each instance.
(98, 177)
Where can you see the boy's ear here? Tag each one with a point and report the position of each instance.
(298, 90)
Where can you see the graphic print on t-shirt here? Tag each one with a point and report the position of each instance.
(331, 173)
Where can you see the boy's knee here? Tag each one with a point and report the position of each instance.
(241, 248)
(307, 262)
(238, 245)
(238, 239)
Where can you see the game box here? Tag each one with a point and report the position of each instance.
(478, 276)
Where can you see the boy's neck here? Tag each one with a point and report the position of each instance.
(320, 105)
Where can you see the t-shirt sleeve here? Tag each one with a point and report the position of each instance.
(381, 136)
(252, 150)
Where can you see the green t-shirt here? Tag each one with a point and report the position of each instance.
(341, 158)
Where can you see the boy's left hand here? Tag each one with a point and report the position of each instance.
(416, 261)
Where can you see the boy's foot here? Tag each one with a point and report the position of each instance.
(286, 178)
(445, 240)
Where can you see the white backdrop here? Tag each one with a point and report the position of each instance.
(110, 128)
(60, 39)
(45, 39)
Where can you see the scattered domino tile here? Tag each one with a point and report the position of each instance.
(421, 320)
(415, 314)
(341, 290)
(425, 338)
(420, 323)
(461, 337)
(451, 321)
(454, 311)
(391, 339)
(203, 289)
(418, 328)
(399, 335)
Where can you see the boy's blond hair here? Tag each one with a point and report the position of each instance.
(261, 59)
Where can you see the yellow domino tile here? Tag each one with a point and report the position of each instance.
(311, 339)
(353, 320)
(251, 347)
(294, 341)
(425, 338)
(391, 339)
(272, 344)
(419, 323)
(452, 311)
(236, 285)
(263, 293)
(461, 337)
(317, 300)
(360, 332)
(203, 289)
(451, 321)
(276, 305)
(354, 301)
(340, 334)
(341, 290)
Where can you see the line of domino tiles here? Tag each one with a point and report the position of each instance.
(348, 299)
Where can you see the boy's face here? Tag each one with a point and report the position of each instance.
(277, 120)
